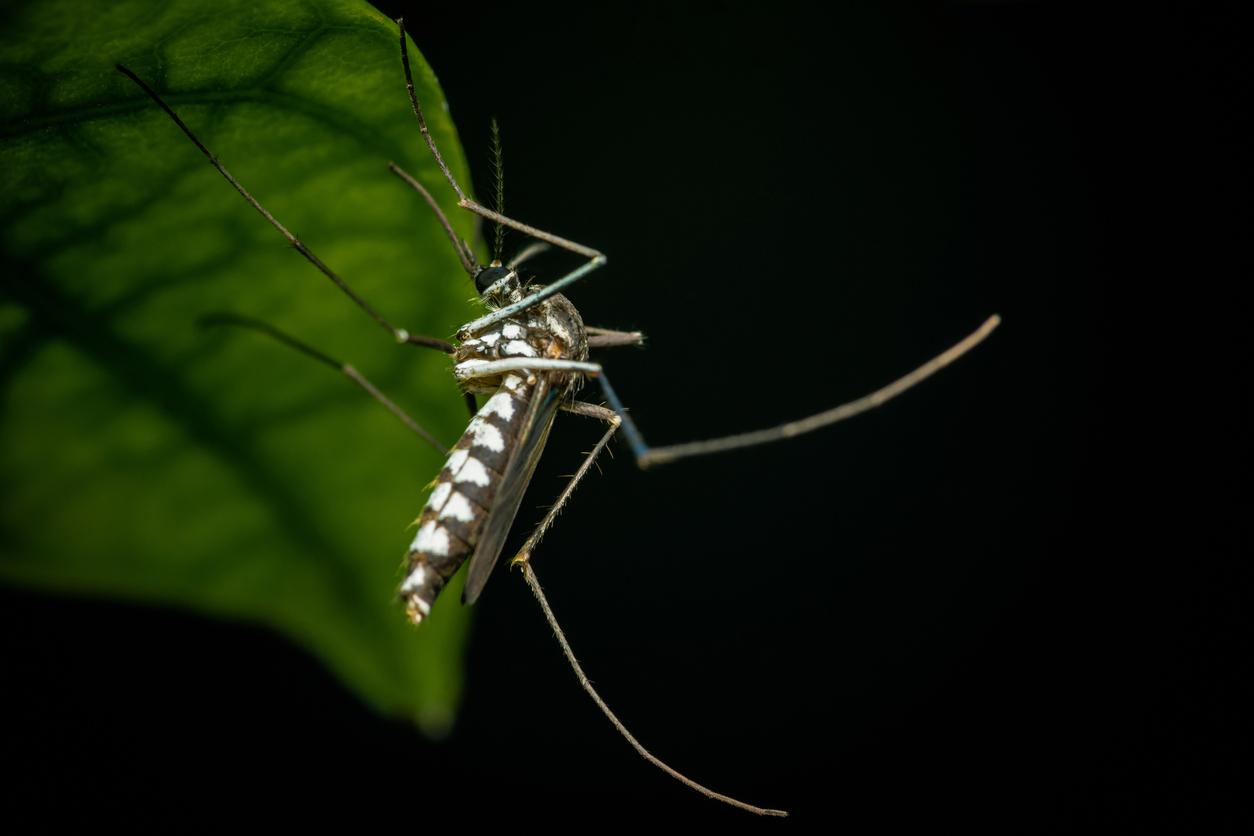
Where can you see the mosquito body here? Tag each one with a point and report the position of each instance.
(529, 354)
(473, 505)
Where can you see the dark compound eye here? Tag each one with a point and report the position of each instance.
(488, 276)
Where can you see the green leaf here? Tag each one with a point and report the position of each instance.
(142, 457)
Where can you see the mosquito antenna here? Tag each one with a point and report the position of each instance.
(498, 168)
(534, 582)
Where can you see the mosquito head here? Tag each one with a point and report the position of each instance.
(495, 280)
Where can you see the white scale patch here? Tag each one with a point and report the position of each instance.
(439, 495)
(456, 459)
(473, 472)
(513, 383)
(486, 435)
(489, 339)
(431, 539)
(518, 348)
(458, 507)
(499, 404)
(416, 579)
(512, 331)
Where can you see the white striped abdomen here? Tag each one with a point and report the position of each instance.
(462, 498)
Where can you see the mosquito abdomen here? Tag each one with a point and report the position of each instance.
(449, 525)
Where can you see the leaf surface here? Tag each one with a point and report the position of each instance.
(144, 458)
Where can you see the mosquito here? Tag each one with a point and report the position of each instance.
(529, 354)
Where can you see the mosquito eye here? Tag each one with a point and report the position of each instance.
(488, 276)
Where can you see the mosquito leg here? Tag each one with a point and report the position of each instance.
(527, 253)
(647, 456)
(464, 254)
(523, 304)
(344, 368)
(422, 122)
(528, 229)
(608, 338)
(595, 257)
(471, 369)
(523, 558)
(592, 410)
(577, 408)
(463, 250)
(529, 575)
(462, 200)
(474, 327)
(400, 334)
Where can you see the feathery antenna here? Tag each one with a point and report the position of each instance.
(498, 167)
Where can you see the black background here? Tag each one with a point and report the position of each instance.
(1007, 600)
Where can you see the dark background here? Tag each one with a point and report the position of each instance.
(1008, 600)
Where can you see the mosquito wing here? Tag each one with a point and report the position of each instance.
(532, 435)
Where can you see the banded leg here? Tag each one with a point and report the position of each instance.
(647, 456)
(471, 369)
(344, 368)
(591, 410)
(595, 257)
(399, 334)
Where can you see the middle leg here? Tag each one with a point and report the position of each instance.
(577, 408)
